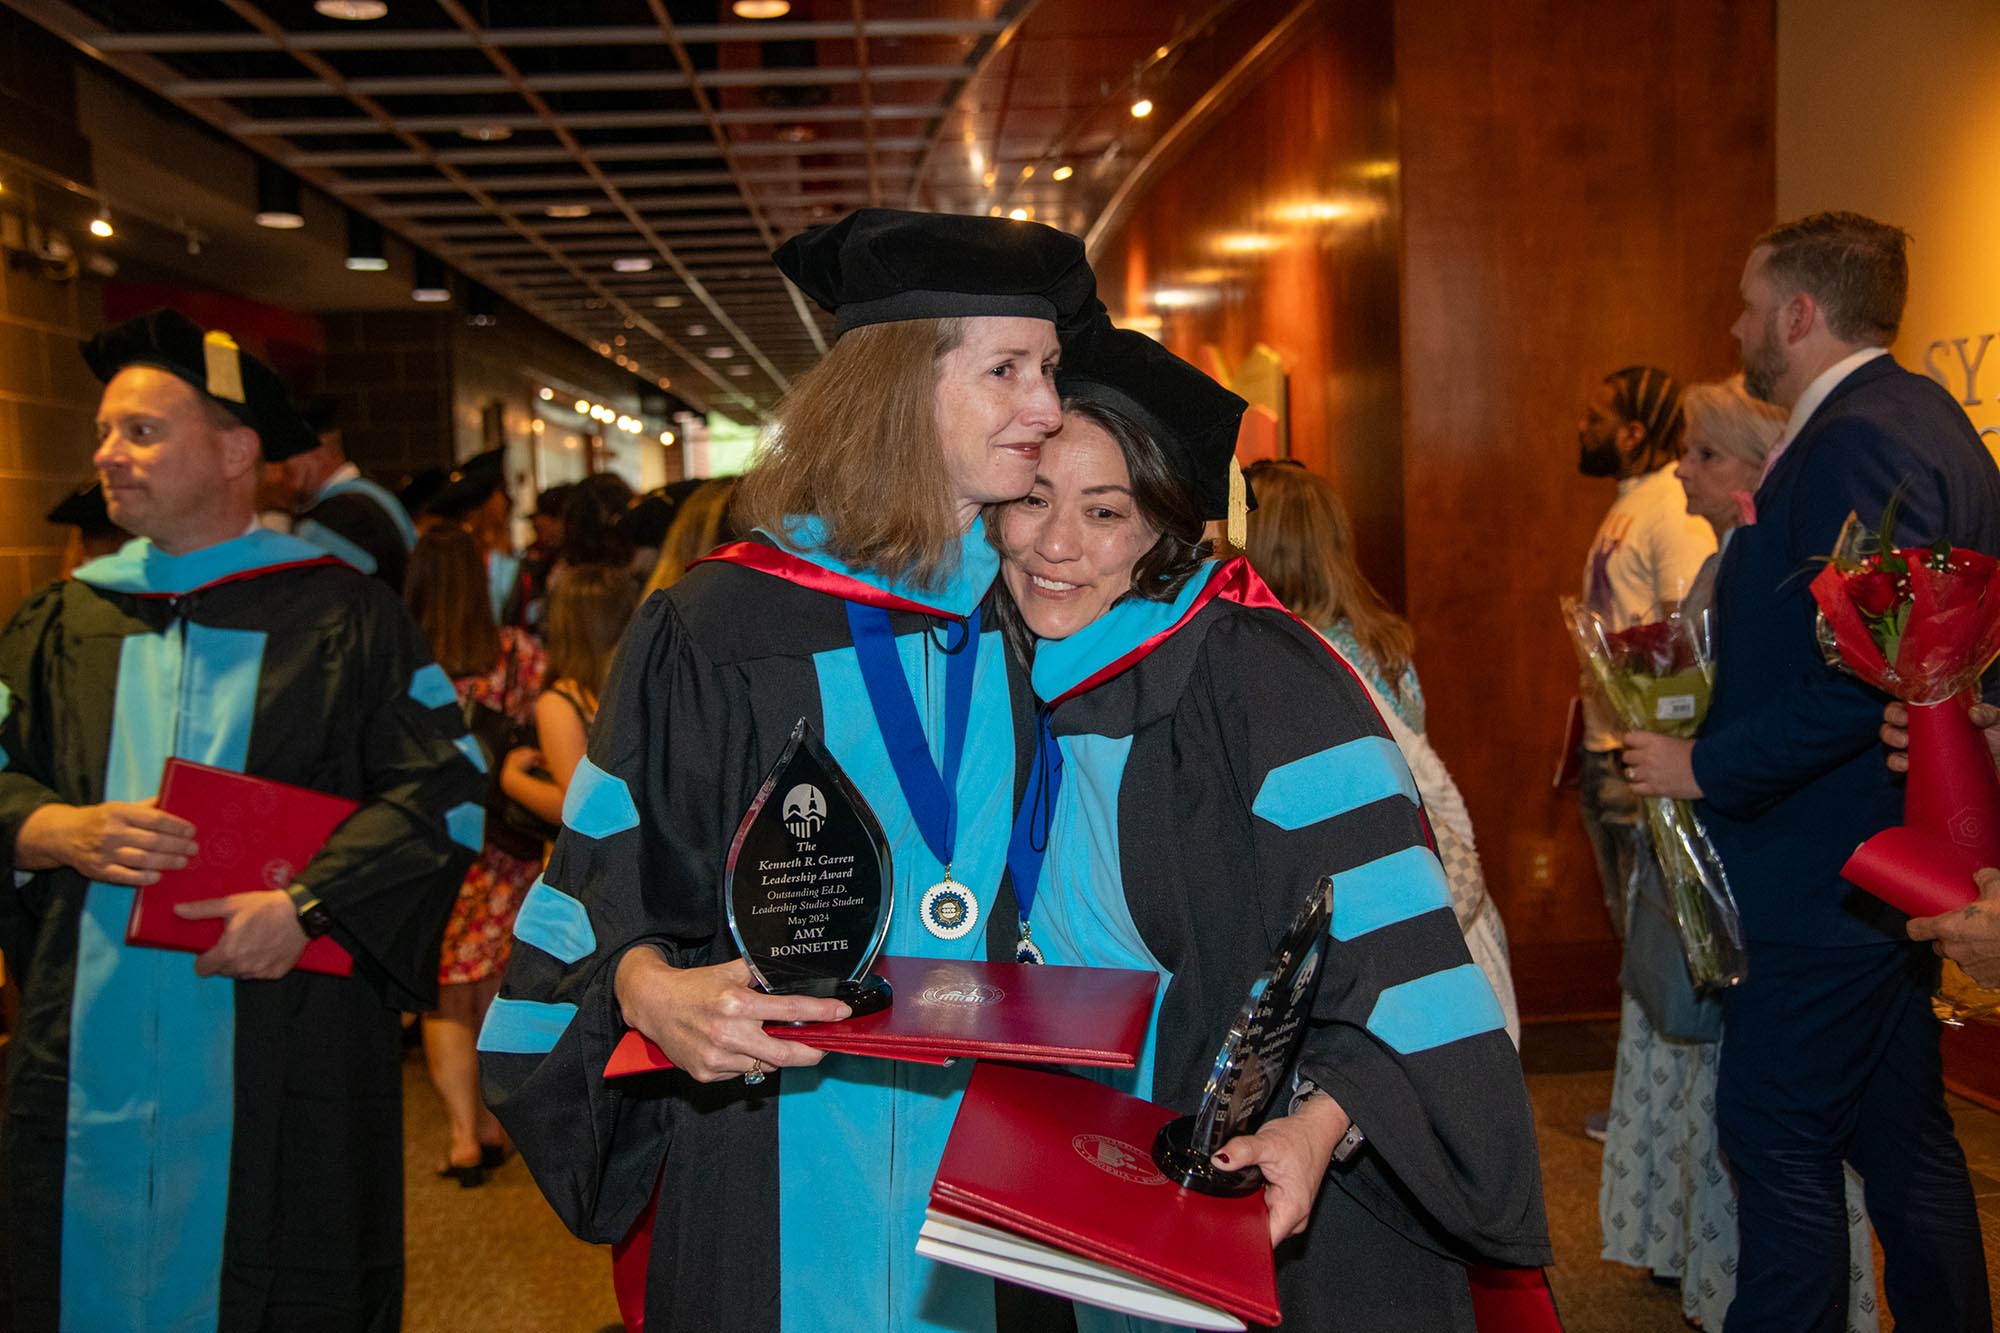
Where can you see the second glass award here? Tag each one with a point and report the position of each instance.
(1263, 1041)
(809, 882)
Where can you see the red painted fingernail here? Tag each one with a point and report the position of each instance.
(1223, 1158)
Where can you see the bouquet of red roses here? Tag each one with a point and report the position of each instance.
(1656, 677)
(1921, 623)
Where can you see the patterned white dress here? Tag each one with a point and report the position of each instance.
(1665, 1201)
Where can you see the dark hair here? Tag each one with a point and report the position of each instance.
(447, 595)
(590, 515)
(549, 504)
(1163, 500)
(1651, 397)
(1855, 268)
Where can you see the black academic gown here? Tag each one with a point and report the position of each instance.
(364, 525)
(185, 1152)
(793, 1205)
(1218, 760)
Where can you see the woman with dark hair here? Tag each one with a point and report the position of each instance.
(1215, 761)
(790, 1192)
(588, 612)
(500, 669)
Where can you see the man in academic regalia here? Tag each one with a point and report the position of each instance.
(341, 511)
(212, 1141)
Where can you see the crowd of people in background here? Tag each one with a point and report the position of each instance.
(1752, 1140)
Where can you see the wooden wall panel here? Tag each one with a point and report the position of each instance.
(1580, 186)
(1276, 225)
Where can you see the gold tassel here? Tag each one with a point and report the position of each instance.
(225, 366)
(1238, 530)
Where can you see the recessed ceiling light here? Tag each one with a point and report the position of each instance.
(721, 353)
(619, 341)
(666, 303)
(739, 371)
(358, 11)
(632, 264)
(277, 198)
(697, 330)
(548, 395)
(761, 9)
(100, 226)
(1019, 214)
(485, 133)
(567, 211)
(1063, 173)
(1142, 108)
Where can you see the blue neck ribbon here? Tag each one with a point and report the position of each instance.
(1029, 842)
(932, 796)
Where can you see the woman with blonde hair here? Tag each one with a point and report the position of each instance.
(588, 611)
(701, 525)
(1303, 545)
(1665, 1201)
(789, 1192)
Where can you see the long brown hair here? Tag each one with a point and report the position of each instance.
(857, 446)
(1302, 545)
(589, 607)
(447, 593)
(699, 527)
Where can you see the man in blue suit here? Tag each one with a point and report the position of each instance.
(1830, 1051)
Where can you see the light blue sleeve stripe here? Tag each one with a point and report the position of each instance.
(524, 1027)
(469, 747)
(1386, 890)
(431, 688)
(1436, 1010)
(555, 923)
(1333, 782)
(597, 804)
(467, 823)
(336, 545)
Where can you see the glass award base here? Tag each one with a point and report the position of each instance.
(867, 996)
(1179, 1162)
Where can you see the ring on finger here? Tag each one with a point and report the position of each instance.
(755, 1074)
(1631, 773)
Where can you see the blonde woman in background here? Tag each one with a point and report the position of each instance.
(1302, 544)
(701, 525)
(589, 608)
(1665, 1200)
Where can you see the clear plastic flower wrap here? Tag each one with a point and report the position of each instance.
(1656, 677)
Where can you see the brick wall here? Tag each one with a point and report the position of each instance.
(48, 401)
(390, 372)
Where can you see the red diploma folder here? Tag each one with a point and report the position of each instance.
(946, 1009)
(1048, 1180)
(253, 834)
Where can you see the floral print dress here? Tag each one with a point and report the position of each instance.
(480, 933)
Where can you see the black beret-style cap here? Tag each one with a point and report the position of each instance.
(882, 265)
(212, 363)
(467, 486)
(417, 489)
(1193, 419)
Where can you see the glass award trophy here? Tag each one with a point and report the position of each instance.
(809, 883)
(1263, 1041)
